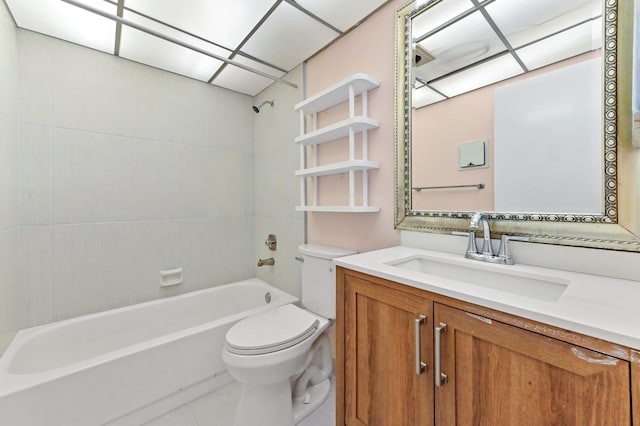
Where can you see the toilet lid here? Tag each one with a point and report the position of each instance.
(271, 331)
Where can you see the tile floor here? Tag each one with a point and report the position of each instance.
(218, 408)
(326, 414)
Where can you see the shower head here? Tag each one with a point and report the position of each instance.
(256, 108)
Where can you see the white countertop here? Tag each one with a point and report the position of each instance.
(601, 307)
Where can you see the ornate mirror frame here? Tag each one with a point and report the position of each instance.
(618, 227)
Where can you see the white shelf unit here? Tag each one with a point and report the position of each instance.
(345, 90)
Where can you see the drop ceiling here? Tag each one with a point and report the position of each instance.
(242, 45)
(469, 44)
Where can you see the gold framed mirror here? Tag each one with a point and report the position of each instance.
(441, 43)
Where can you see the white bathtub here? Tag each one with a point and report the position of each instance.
(128, 365)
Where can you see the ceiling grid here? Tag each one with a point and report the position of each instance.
(241, 45)
(474, 43)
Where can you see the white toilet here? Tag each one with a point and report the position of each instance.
(281, 356)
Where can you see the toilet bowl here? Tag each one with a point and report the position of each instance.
(282, 357)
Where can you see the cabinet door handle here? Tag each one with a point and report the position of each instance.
(440, 377)
(421, 367)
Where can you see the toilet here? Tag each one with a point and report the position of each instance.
(282, 357)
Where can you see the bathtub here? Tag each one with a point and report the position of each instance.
(128, 365)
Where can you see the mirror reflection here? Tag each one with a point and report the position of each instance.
(507, 106)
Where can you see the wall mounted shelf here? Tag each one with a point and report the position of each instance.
(338, 93)
(335, 168)
(345, 90)
(337, 130)
(338, 209)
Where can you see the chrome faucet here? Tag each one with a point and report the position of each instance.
(487, 255)
(487, 248)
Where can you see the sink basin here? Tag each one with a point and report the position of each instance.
(508, 279)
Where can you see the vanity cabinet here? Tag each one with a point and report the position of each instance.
(499, 369)
(501, 374)
(387, 332)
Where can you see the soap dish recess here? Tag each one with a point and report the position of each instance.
(170, 277)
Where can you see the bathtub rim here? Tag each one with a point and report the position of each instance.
(11, 383)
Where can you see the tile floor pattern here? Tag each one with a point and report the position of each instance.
(218, 408)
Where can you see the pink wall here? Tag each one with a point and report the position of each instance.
(369, 48)
(438, 129)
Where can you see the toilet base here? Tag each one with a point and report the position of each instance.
(284, 387)
(316, 396)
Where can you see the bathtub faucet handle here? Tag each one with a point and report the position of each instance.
(271, 242)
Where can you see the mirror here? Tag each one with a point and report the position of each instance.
(520, 109)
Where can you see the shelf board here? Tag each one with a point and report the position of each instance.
(336, 168)
(337, 93)
(338, 209)
(337, 130)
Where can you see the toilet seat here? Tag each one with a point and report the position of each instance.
(271, 331)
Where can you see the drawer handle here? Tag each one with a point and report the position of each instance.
(440, 377)
(421, 367)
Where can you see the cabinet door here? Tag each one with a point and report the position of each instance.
(503, 375)
(382, 384)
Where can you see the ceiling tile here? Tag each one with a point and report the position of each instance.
(524, 21)
(288, 37)
(339, 13)
(561, 46)
(437, 15)
(226, 22)
(242, 81)
(151, 50)
(67, 22)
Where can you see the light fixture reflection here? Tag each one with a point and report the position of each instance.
(424, 96)
(580, 39)
(481, 75)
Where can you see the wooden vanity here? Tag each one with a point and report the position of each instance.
(496, 368)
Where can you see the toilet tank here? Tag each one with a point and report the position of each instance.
(319, 278)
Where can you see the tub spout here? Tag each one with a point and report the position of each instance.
(269, 261)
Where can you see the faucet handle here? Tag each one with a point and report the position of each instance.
(472, 248)
(504, 251)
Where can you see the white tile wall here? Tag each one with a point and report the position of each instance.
(159, 180)
(276, 188)
(35, 170)
(83, 175)
(229, 171)
(35, 78)
(35, 254)
(230, 121)
(84, 269)
(285, 274)
(9, 64)
(124, 171)
(8, 287)
(9, 151)
(9, 146)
